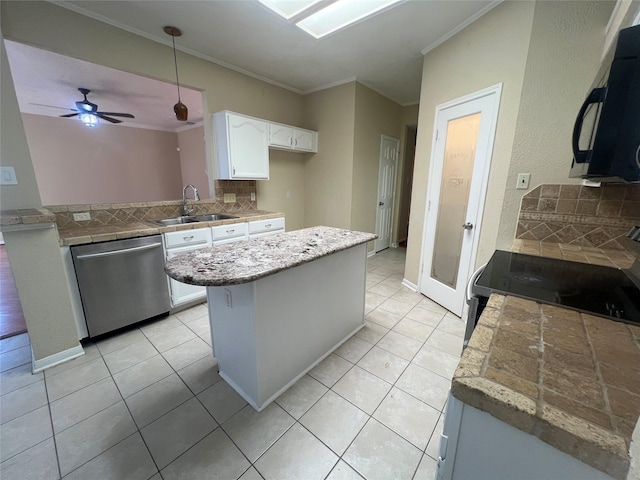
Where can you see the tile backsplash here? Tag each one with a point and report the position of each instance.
(114, 213)
(597, 217)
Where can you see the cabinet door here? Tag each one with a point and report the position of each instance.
(305, 140)
(248, 148)
(280, 136)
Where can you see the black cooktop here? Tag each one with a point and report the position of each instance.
(603, 291)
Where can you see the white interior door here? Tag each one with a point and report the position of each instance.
(386, 190)
(460, 159)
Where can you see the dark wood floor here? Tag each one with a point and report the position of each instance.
(11, 317)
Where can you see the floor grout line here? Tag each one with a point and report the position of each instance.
(391, 272)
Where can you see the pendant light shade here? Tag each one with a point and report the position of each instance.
(180, 109)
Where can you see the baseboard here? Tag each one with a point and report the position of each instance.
(371, 253)
(56, 358)
(411, 286)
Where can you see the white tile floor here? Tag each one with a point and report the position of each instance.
(149, 404)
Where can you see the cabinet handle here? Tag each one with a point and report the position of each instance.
(267, 226)
(188, 239)
(296, 142)
(231, 231)
(234, 170)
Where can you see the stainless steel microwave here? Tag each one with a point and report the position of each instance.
(606, 134)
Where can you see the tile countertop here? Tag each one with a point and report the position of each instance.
(244, 262)
(117, 231)
(25, 216)
(571, 379)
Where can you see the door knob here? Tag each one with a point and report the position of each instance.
(467, 226)
(380, 204)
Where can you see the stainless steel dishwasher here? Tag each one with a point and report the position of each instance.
(121, 282)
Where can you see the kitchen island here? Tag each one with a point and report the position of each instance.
(279, 305)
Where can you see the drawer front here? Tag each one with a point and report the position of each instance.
(260, 226)
(198, 236)
(235, 230)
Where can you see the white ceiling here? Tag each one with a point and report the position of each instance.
(383, 52)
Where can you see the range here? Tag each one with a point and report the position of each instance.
(598, 290)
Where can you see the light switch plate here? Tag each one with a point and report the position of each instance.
(8, 176)
(523, 181)
(229, 198)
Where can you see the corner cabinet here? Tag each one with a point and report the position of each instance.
(286, 137)
(241, 146)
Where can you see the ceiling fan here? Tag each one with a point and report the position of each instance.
(86, 109)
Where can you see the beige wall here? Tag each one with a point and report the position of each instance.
(375, 116)
(546, 55)
(564, 56)
(108, 164)
(33, 254)
(193, 160)
(286, 171)
(328, 173)
(492, 50)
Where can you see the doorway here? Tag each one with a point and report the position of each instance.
(460, 159)
(404, 210)
(389, 148)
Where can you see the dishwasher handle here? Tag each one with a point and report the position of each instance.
(119, 252)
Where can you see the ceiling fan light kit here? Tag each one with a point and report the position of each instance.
(88, 113)
(180, 109)
(89, 119)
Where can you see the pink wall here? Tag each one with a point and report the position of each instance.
(107, 164)
(193, 160)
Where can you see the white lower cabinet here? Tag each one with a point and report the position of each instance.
(230, 233)
(181, 242)
(262, 228)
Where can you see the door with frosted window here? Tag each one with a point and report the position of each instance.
(457, 182)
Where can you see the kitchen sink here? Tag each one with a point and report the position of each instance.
(194, 219)
(175, 221)
(213, 216)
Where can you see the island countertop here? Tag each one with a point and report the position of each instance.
(248, 261)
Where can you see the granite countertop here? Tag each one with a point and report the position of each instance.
(245, 262)
(10, 219)
(117, 231)
(570, 378)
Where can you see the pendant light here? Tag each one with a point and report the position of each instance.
(179, 108)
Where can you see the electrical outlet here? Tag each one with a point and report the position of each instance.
(288, 194)
(523, 181)
(8, 176)
(229, 198)
(81, 217)
(253, 196)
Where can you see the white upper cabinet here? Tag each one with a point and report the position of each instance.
(286, 137)
(241, 146)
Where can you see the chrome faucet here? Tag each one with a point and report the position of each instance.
(185, 208)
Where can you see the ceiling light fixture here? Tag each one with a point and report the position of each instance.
(180, 109)
(89, 119)
(331, 16)
(288, 9)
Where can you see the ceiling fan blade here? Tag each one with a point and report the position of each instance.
(51, 106)
(127, 115)
(108, 119)
(70, 115)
